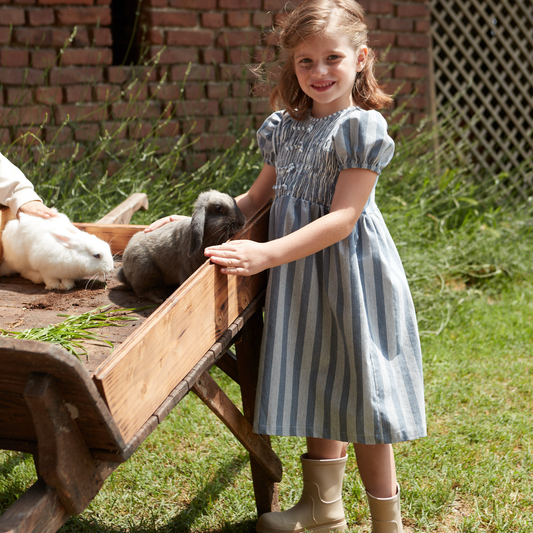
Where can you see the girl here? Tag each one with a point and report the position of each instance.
(16, 192)
(341, 358)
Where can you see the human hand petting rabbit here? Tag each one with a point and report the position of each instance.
(156, 263)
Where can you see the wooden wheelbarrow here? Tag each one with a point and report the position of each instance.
(80, 420)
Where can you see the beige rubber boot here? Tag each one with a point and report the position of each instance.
(320, 507)
(385, 512)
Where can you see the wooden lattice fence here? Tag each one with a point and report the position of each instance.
(482, 52)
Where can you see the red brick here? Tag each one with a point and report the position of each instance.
(49, 95)
(216, 91)
(238, 19)
(135, 92)
(27, 136)
(194, 91)
(190, 38)
(123, 74)
(106, 93)
(155, 36)
(41, 17)
(41, 37)
(167, 92)
(180, 19)
(168, 129)
(399, 55)
(14, 58)
(196, 72)
(156, 3)
(78, 93)
(412, 11)
(398, 87)
(193, 4)
(87, 56)
(382, 39)
(16, 116)
(262, 19)
(413, 41)
(117, 129)
(372, 22)
(205, 108)
(241, 89)
(5, 35)
(219, 125)
(410, 72)
(81, 37)
(396, 24)
(212, 20)
(59, 135)
(11, 16)
(214, 142)
(213, 55)
(238, 56)
(170, 56)
(382, 7)
(19, 76)
(422, 26)
(81, 113)
(412, 101)
(421, 57)
(5, 137)
(140, 130)
(149, 109)
(63, 2)
(74, 75)
(86, 132)
(101, 37)
(240, 4)
(84, 15)
(239, 38)
(275, 5)
(194, 161)
(18, 96)
(195, 128)
(43, 59)
(235, 106)
(260, 107)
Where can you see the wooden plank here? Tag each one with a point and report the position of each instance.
(214, 397)
(123, 212)
(117, 235)
(64, 460)
(38, 510)
(159, 354)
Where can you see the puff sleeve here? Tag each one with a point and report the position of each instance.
(266, 135)
(15, 188)
(362, 141)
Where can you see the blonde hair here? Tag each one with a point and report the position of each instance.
(311, 19)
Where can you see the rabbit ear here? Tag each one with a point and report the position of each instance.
(197, 230)
(66, 238)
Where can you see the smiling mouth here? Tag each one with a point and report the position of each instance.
(322, 86)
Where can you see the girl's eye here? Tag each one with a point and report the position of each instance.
(305, 60)
(333, 57)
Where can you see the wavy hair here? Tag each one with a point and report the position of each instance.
(314, 18)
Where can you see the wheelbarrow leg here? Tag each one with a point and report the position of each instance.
(247, 351)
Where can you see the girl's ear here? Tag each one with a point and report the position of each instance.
(362, 55)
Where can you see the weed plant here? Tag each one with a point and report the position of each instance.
(467, 252)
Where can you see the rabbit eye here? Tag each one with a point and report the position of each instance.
(97, 256)
(219, 209)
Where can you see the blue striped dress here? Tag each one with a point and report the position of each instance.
(340, 355)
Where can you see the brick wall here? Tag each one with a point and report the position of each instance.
(59, 81)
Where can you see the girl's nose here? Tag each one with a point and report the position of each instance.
(321, 69)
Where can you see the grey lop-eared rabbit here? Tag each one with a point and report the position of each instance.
(155, 264)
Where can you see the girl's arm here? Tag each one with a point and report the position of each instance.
(249, 257)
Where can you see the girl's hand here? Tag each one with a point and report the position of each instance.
(36, 209)
(162, 221)
(243, 258)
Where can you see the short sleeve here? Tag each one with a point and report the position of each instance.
(362, 141)
(265, 137)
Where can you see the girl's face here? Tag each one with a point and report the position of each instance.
(326, 68)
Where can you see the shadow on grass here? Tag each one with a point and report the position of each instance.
(182, 522)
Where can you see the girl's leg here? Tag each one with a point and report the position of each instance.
(377, 469)
(320, 506)
(325, 449)
(378, 472)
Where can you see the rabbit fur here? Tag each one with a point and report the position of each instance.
(155, 264)
(53, 251)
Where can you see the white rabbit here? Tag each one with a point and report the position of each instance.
(53, 251)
